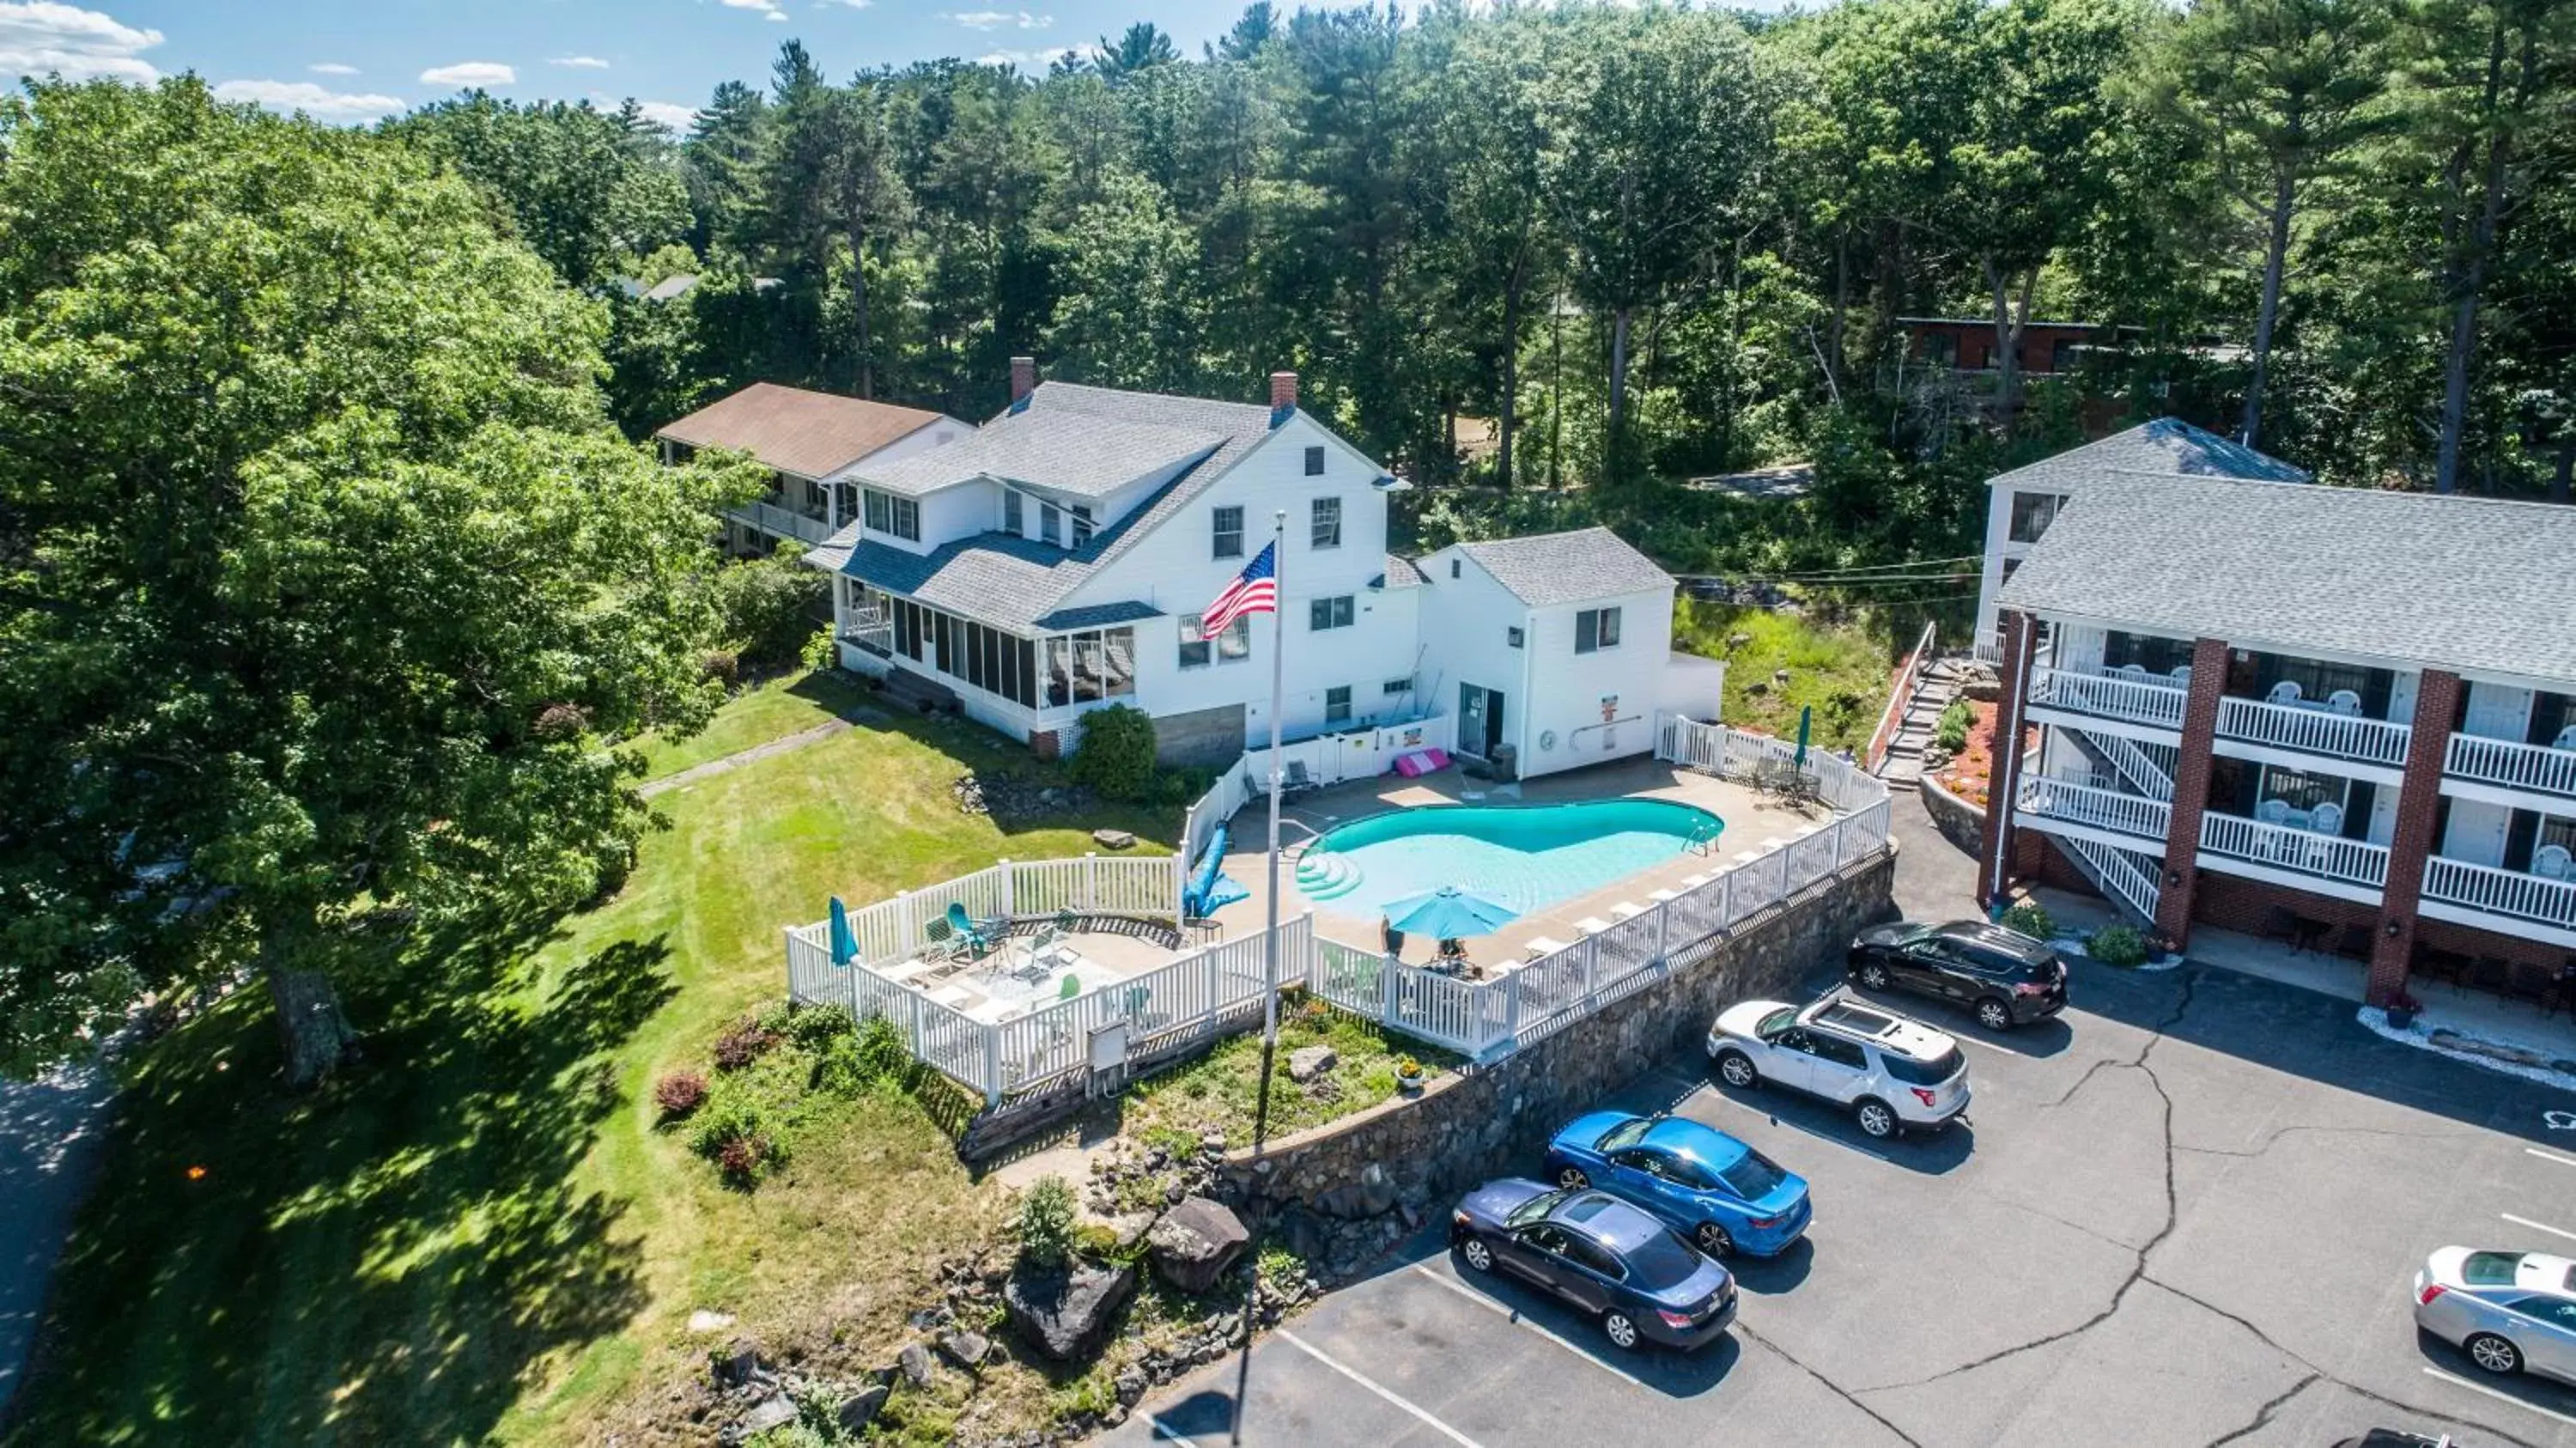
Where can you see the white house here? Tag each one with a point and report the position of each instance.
(2020, 504)
(810, 441)
(1057, 559)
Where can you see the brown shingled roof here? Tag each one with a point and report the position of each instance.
(812, 434)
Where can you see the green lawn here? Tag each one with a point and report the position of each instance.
(1220, 1090)
(480, 1234)
(787, 705)
(1842, 671)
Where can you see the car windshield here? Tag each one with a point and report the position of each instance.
(1662, 1260)
(1752, 1176)
(1923, 1073)
(1625, 1134)
(1535, 1209)
(2490, 1269)
(1776, 1022)
(1916, 935)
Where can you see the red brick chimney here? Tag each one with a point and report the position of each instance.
(1024, 377)
(1283, 389)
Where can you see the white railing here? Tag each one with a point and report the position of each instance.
(2501, 892)
(2110, 696)
(2313, 731)
(1208, 991)
(1900, 698)
(2306, 852)
(2103, 809)
(775, 519)
(2119, 872)
(1748, 757)
(2515, 766)
(2132, 760)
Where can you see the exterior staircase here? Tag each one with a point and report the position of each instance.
(1902, 768)
(2145, 768)
(2127, 879)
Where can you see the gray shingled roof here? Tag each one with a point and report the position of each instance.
(1552, 568)
(1061, 449)
(1401, 572)
(2166, 447)
(2445, 582)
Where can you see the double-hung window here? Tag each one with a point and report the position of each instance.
(1337, 704)
(1226, 533)
(1198, 650)
(1326, 613)
(1014, 512)
(1596, 629)
(1050, 524)
(1328, 523)
(899, 517)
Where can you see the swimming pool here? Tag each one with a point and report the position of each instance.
(1528, 857)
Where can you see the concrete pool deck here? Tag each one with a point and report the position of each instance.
(1752, 822)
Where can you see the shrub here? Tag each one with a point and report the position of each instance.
(820, 652)
(1951, 732)
(815, 1028)
(742, 1044)
(2030, 920)
(2117, 945)
(729, 1115)
(1046, 1222)
(765, 607)
(743, 1156)
(722, 665)
(680, 1093)
(1117, 754)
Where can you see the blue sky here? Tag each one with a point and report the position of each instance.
(351, 60)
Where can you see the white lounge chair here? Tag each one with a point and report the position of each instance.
(1626, 910)
(1591, 924)
(1660, 896)
(1542, 947)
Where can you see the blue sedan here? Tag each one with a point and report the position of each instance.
(1725, 1195)
(1602, 1255)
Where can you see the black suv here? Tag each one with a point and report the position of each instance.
(2006, 977)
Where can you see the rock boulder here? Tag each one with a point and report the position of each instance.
(1195, 1242)
(1065, 1312)
(1308, 1062)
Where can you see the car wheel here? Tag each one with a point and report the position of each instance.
(1713, 1240)
(1877, 1119)
(1477, 1254)
(1874, 976)
(1736, 1069)
(1571, 1177)
(2494, 1354)
(1621, 1329)
(1993, 1014)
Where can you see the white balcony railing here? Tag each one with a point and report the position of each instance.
(2103, 809)
(869, 628)
(2316, 730)
(787, 522)
(2515, 766)
(2306, 852)
(2109, 696)
(2501, 892)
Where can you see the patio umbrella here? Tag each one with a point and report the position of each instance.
(1448, 913)
(845, 946)
(1806, 722)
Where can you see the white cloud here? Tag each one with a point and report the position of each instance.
(1034, 59)
(768, 9)
(579, 62)
(332, 67)
(847, 4)
(471, 73)
(316, 101)
(40, 37)
(664, 113)
(1002, 19)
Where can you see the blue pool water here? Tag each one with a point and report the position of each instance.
(1528, 857)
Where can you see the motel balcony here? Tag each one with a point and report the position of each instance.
(2294, 851)
(2539, 769)
(2529, 903)
(2061, 806)
(2334, 727)
(2130, 695)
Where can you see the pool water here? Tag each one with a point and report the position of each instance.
(1527, 857)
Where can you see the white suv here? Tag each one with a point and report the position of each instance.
(1892, 1072)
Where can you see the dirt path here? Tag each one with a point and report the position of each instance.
(757, 752)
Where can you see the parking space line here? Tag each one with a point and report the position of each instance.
(1515, 1318)
(2538, 1226)
(2551, 1156)
(1166, 1433)
(1962, 1036)
(2501, 1397)
(1365, 1381)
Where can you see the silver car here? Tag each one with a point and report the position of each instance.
(2510, 1312)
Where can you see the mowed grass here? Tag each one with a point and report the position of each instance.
(480, 1233)
(1842, 671)
(774, 709)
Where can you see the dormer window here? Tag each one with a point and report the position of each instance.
(893, 516)
(1081, 524)
(1050, 524)
(1014, 515)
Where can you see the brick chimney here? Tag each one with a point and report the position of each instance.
(1283, 389)
(1024, 377)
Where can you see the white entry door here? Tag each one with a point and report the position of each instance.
(2498, 711)
(2477, 832)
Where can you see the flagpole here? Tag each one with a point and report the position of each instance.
(1269, 941)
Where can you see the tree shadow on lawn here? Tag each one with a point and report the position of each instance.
(387, 1259)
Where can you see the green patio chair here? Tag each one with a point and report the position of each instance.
(1072, 987)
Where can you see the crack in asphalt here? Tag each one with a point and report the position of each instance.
(2273, 1138)
(2263, 1415)
(1837, 1389)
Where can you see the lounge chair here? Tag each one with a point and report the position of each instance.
(1591, 924)
(1626, 910)
(1542, 947)
(970, 934)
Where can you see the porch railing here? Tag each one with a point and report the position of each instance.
(2304, 852)
(2102, 809)
(2515, 766)
(2501, 892)
(770, 517)
(1750, 758)
(2108, 696)
(869, 628)
(892, 931)
(2313, 731)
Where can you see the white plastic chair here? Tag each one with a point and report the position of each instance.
(2134, 673)
(2552, 862)
(2181, 675)
(2566, 738)
(2326, 819)
(2285, 692)
(2344, 702)
(2273, 811)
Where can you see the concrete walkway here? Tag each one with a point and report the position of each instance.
(757, 752)
(51, 1133)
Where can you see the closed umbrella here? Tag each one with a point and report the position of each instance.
(1806, 722)
(845, 946)
(1449, 913)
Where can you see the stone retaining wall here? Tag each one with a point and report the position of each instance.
(1959, 822)
(1495, 1119)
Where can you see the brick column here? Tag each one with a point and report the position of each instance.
(1994, 859)
(2437, 702)
(2191, 790)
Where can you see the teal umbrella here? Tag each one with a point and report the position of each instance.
(1806, 721)
(1448, 913)
(845, 946)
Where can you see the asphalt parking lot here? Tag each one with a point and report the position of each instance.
(2186, 1214)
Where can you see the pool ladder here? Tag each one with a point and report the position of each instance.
(1703, 838)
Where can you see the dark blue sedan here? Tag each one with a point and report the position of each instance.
(1724, 1194)
(1602, 1255)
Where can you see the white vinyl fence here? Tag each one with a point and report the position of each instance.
(1217, 989)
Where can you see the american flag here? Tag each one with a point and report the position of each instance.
(1254, 590)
